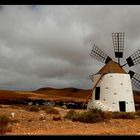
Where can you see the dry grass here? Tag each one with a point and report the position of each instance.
(29, 123)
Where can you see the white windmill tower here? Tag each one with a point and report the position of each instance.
(112, 87)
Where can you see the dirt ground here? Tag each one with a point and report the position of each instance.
(29, 123)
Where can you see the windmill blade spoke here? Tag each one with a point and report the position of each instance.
(135, 77)
(118, 43)
(91, 77)
(99, 55)
(134, 59)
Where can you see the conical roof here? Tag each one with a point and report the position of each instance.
(111, 67)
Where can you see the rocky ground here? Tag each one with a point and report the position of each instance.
(30, 123)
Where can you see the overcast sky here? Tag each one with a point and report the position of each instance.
(49, 45)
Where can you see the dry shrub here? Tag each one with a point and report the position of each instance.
(137, 113)
(123, 115)
(4, 120)
(107, 115)
(42, 107)
(95, 115)
(32, 108)
(57, 118)
(12, 121)
(51, 110)
(91, 116)
(72, 115)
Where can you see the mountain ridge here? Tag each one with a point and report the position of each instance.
(68, 94)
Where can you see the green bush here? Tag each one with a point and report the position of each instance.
(72, 115)
(51, 110)
(4, 120)
(95, 115)
(91, 116)
(123, 115)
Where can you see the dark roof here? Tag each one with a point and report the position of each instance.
(111, 67)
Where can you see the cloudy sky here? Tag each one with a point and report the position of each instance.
(49, 45)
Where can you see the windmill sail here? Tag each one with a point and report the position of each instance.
(91, 77)
(134, 59)
(118, 43)
(112, 84)
(99, 55)
(135, 77)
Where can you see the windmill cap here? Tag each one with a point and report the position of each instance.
(111, 67)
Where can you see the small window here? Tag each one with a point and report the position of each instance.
(97, 93)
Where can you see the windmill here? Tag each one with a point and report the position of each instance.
(112, 85)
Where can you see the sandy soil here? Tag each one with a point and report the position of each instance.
(29, 123)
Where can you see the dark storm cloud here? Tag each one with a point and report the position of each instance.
(49, 45)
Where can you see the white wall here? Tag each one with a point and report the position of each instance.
(115, 87)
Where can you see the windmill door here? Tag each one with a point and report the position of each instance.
(122, 106)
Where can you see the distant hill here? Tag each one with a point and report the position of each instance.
(53, 94)
(64, 93)
(72, 89)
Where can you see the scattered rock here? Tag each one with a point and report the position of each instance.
(29, 120)
(42, 117)
(30, 103)
(5, 106)
(13, 114)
